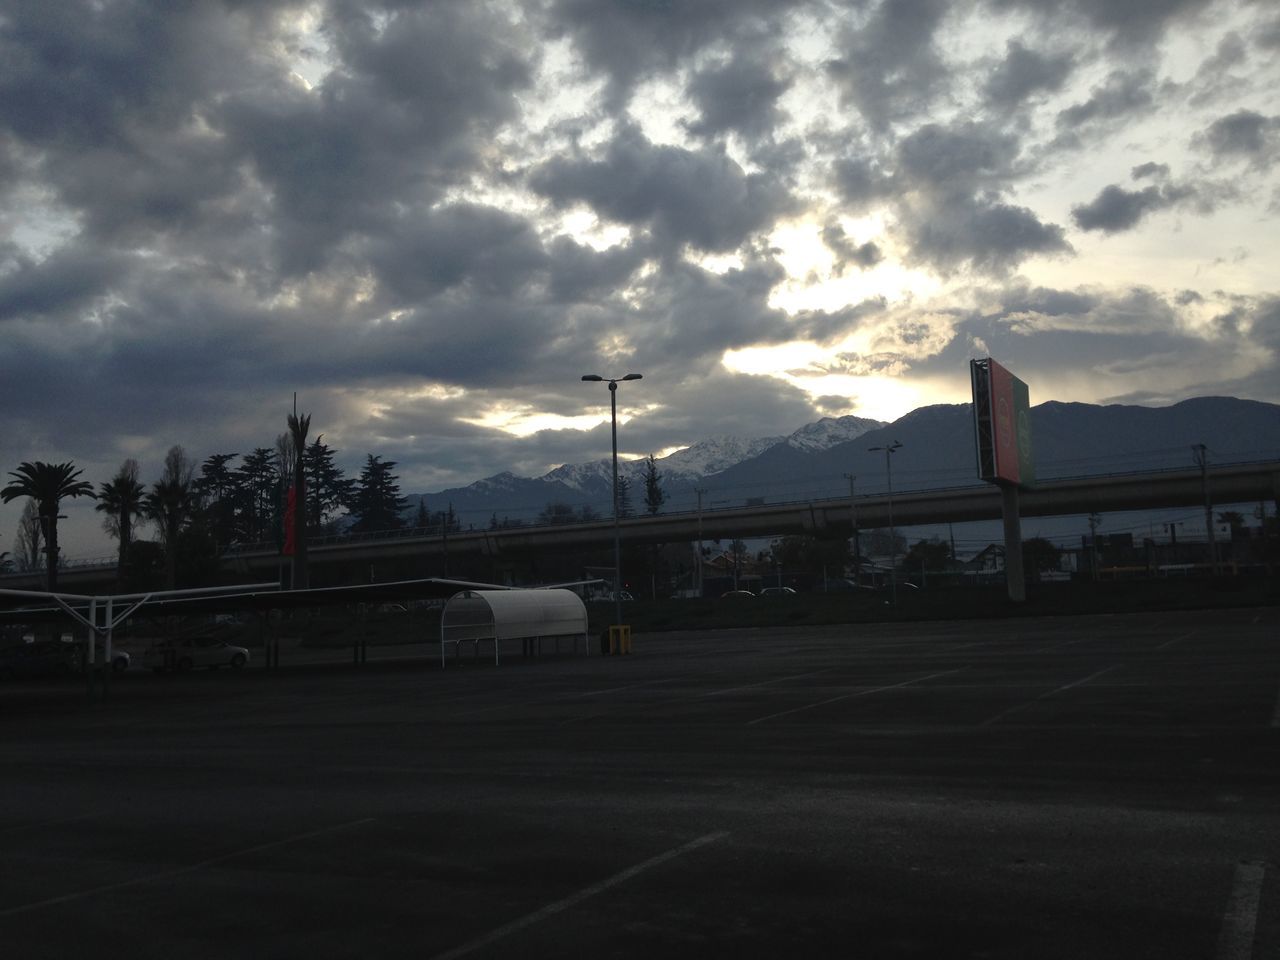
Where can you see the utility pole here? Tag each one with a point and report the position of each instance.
(699, 491)
(1095, 521)
(853, 526)
(1201, 454)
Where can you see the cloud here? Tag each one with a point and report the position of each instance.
(1025, 73)
(847, 252)
(1244, 134)
(1135, 23)
(627, 42)
(58, 287)
(1124, 95)
(700, 198)
(1116, 209)
(889, 69)
(739, 96)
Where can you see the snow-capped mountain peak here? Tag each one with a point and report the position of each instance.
(708, 457)
(831, 431)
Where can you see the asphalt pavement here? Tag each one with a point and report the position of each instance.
(1071, 787)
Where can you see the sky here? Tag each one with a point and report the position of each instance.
(428, 219)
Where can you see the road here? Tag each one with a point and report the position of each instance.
(1053, 788)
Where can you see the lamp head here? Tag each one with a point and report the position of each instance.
(592, 377)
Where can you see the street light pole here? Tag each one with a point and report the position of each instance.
(617, 540)
(889, 450)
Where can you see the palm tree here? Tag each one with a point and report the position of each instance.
(121, 499)
(298, 427)
(47, 484)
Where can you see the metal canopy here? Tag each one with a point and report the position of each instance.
(475, 615)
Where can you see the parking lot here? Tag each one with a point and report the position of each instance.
(1061, 787)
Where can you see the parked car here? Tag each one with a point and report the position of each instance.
(187, 653)
(736, 593)
(777, 592)
(38, 658)
(120, 659)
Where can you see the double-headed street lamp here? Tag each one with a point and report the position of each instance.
(889, 450)
(617, 543)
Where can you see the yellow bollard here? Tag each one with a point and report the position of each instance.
(619, 638)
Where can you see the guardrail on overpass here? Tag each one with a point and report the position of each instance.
(1229, 483)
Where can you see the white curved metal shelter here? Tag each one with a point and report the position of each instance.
(497, 615)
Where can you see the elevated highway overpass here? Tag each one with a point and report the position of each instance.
(1229, 484)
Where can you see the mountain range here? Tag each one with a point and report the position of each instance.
(937, 450)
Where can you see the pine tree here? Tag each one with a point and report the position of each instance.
(624, 496)
(328, 490)
(376, 503)
(654, 495)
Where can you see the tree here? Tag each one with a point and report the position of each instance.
(421, 518)
(298, 429)
(1040, 555)
(48, 484)
(328, 491)
(556, 513)
(170, 504)
(27, 543)
(256, 484)
(654, 495)
(376, 503)
(216, 489)
(928, 555)
(121, 499)
(624, 496)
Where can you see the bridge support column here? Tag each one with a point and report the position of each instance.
(1014, 577)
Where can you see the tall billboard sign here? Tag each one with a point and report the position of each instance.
(1002, 425)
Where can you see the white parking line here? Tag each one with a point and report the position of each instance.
(561, 905)
(176, 871)
(850, 696)
(1170, 643)
(1045, 696)
(1235, 940)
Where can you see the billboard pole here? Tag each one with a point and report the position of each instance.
(1013, 573)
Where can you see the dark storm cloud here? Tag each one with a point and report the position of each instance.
(103, 103)
(57, 287)
(580, 273)
(491, 251)
(1025, 73)
(739, 96)
(702, 198)
(889, 68)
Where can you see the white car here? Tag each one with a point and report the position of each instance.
(189, 652)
